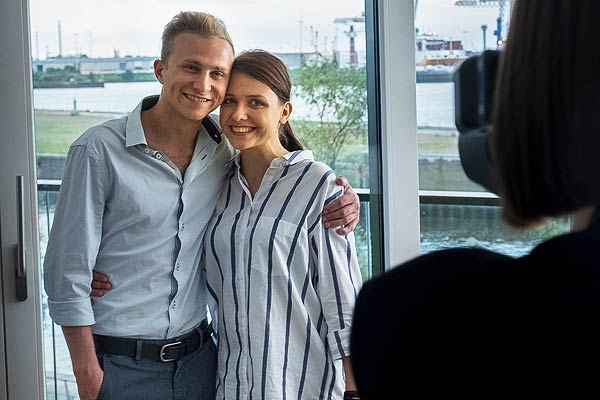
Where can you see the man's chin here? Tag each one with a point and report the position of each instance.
(199, 114)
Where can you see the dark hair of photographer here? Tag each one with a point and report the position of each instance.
(546, 140)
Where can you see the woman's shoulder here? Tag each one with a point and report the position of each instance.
(303, 163)
(304, 158)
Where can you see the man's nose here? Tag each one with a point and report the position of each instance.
(202, 83)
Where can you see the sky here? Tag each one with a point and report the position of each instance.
(98, 28)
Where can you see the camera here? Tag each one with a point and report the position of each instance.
(474, 83)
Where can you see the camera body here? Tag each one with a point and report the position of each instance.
(474, 83)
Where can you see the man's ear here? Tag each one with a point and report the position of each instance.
(286, 111)
(159, 69)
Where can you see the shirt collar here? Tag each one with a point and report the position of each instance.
(292, 158)
(134, 132)
(298, 156)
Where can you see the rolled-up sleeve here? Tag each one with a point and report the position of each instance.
(75, 238)
(339, 278)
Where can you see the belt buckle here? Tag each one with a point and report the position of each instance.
(163, 351)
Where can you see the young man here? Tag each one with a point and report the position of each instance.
(134, 204)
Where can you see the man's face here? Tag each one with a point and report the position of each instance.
(195, 76)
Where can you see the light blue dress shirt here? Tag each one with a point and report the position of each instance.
(125, 210)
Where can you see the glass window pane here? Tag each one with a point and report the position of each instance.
(447, 33)
(93, 61)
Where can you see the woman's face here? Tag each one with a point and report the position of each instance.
(251, 113)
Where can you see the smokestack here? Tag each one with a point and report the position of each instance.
(59, 40)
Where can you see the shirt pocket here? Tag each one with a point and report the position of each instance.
(272, 244)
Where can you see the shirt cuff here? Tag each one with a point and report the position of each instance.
(72, 312)
(339, 343)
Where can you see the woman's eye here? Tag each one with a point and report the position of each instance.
(255, 103)
(228, 101)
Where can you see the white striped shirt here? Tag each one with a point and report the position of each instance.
(285, 285)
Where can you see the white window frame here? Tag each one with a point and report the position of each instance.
(21, 351)
(400, 169)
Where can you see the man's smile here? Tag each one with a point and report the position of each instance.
(197, 99)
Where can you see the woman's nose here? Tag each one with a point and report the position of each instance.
(239, 113)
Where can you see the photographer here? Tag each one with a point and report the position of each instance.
(471, 321)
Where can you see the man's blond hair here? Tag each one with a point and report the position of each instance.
(194, 22)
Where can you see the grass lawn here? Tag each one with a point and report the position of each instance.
(432, 141)
(56, 130)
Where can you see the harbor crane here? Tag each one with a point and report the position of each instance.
(500, 21)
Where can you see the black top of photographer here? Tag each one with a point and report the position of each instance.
(544, 142)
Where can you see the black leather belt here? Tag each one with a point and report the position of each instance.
(155, 350)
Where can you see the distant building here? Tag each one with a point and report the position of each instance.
(296, 60)
(346, 59)
(85, 65)
(119, 65)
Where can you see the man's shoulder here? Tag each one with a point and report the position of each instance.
(110, 132)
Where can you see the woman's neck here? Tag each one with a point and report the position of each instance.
(256, 161)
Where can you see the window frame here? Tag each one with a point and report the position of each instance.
(394, 170)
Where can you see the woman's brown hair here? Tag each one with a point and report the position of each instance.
(546, 139)
(272, 72)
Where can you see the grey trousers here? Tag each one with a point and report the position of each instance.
(191, 378)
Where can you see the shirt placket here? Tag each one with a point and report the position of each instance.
(252, 209)
(241, 278)
(173, 312)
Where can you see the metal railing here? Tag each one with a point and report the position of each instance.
(448, 219)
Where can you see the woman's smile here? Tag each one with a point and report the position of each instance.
(241, 130)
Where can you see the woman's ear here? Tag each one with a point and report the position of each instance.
(286, 111)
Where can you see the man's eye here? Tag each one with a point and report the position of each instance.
(218, 74)
(192, 67)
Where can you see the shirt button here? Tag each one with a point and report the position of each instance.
(147, 151)
(158, 156)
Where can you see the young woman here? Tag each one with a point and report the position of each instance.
(284, 284)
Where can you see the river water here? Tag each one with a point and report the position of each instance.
(435, 101)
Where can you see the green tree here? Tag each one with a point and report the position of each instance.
(339, 98)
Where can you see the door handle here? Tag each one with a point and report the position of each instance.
(21, 269)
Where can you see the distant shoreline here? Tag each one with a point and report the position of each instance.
(78, 85)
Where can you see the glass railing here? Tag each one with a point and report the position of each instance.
(448, 219)
(60, 382)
